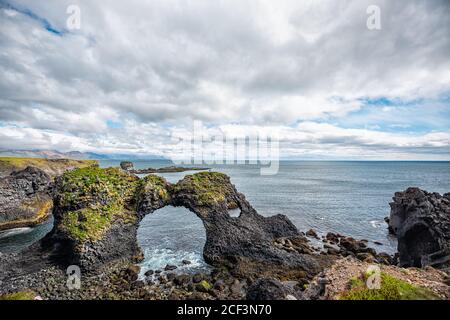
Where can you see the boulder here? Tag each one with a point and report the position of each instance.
(127, 165)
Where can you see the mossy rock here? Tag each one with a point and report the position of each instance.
(391, 289)
(154, 185)
(207, 188)
(81, 187)
(21, 295)
(89, 199)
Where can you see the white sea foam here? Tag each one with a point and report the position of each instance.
(157, 259)
(376, 223)
(13, 232)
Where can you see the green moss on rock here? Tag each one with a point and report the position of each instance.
(91, 198)
(21, 295)
(154, 184)
(207, 188)
(391, 289)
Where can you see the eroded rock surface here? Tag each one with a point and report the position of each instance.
(24, 198)
(421, 222)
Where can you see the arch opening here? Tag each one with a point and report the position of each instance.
(172, 236)
(420, 242)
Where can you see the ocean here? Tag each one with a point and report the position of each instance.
(348, 197)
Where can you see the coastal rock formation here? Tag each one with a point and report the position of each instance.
(421, 222)
(245, 244)
(95, 217)
(127, 165)
(24, 198)
(97, 213)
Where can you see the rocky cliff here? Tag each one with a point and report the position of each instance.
(421, 222)
(26, 190)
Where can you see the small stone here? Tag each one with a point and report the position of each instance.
(149, 273)
(186, 262)
(312, 234)
(171, 276)
(219, 285)
(133, 272)
(181, 280)
(196, 278)
(170, 267)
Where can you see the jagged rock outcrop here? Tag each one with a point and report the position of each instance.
(97, 212)
(245, 244)
(24, 198)
(421, 222)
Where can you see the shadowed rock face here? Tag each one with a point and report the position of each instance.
(421, 222)
(24, 198)
(97, 213)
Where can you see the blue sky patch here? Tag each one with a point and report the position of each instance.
(27, 12)
(114, 124)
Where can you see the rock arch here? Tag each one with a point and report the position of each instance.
(97, 213)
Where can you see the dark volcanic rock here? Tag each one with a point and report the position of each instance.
(421, 222)
(127, 165)
(24, 198)
(311, 233)
(269, 289)
(170, 267)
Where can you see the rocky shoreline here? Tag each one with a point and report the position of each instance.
(97, 213)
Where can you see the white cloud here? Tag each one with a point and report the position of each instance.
(156, 66)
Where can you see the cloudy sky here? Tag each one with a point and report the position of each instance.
(137, 74)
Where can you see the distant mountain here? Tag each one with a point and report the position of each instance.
(54, 154)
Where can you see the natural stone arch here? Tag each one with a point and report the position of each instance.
(97, 213)
(172, 236)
